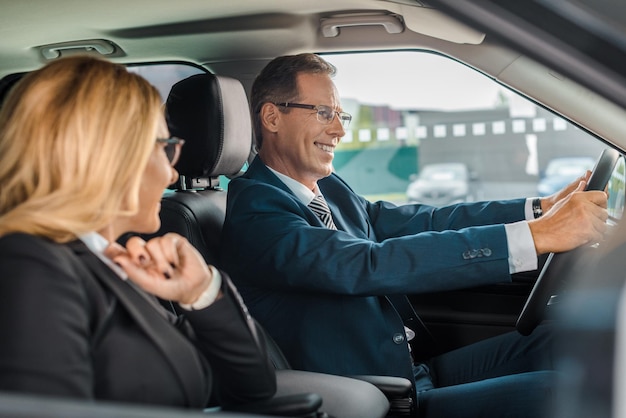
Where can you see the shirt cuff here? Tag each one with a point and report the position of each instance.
(528, 209)
(522, 253)
(209, 295)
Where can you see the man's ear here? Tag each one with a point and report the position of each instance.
(270, 117)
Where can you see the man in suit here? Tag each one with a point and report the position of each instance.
(319, 286)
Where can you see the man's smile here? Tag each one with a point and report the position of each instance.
(325, 147)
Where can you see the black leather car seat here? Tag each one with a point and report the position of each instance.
(211, 114)
(7, 83)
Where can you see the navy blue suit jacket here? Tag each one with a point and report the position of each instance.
(321, 293)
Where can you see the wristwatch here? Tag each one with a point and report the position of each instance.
(537, 212)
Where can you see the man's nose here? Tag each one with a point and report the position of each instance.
(337, 127)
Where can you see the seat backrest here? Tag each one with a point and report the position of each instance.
(212, 115)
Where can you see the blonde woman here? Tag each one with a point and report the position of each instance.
(84, 157)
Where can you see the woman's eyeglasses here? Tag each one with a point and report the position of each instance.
(172, 148)
(325, 114)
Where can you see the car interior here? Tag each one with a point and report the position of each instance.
(556, 88)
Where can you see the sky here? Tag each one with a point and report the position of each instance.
(412, 80)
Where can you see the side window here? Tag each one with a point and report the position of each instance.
(164, 76)
(428, 129)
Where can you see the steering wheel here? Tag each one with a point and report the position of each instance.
(557, 264)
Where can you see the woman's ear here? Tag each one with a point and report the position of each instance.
(270, 117)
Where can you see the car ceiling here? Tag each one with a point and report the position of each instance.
(200, 30)
(237, 38)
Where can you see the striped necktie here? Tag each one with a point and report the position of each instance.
(320, 208)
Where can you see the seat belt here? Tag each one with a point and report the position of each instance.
(425, 345)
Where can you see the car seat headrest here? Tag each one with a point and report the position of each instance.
(7, 83)
(211, 113)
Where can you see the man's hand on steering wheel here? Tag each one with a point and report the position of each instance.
(574, 217)
(549, 201)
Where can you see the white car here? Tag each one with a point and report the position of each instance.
(442, 184)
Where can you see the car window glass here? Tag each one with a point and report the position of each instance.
(164, 76)
(417, 112)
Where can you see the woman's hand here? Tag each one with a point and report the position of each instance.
(168, 267)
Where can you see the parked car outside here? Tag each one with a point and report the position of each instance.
(442, 184)
(561, 171)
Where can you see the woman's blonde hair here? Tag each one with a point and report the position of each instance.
(75, 137)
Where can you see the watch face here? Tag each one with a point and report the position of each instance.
(537, 212)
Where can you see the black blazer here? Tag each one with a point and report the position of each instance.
(69, 326)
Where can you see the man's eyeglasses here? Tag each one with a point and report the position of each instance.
(172, 148)
(325, 114)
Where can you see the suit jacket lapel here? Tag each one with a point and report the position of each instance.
(155, 322)
(348, 214)
(259, 171)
